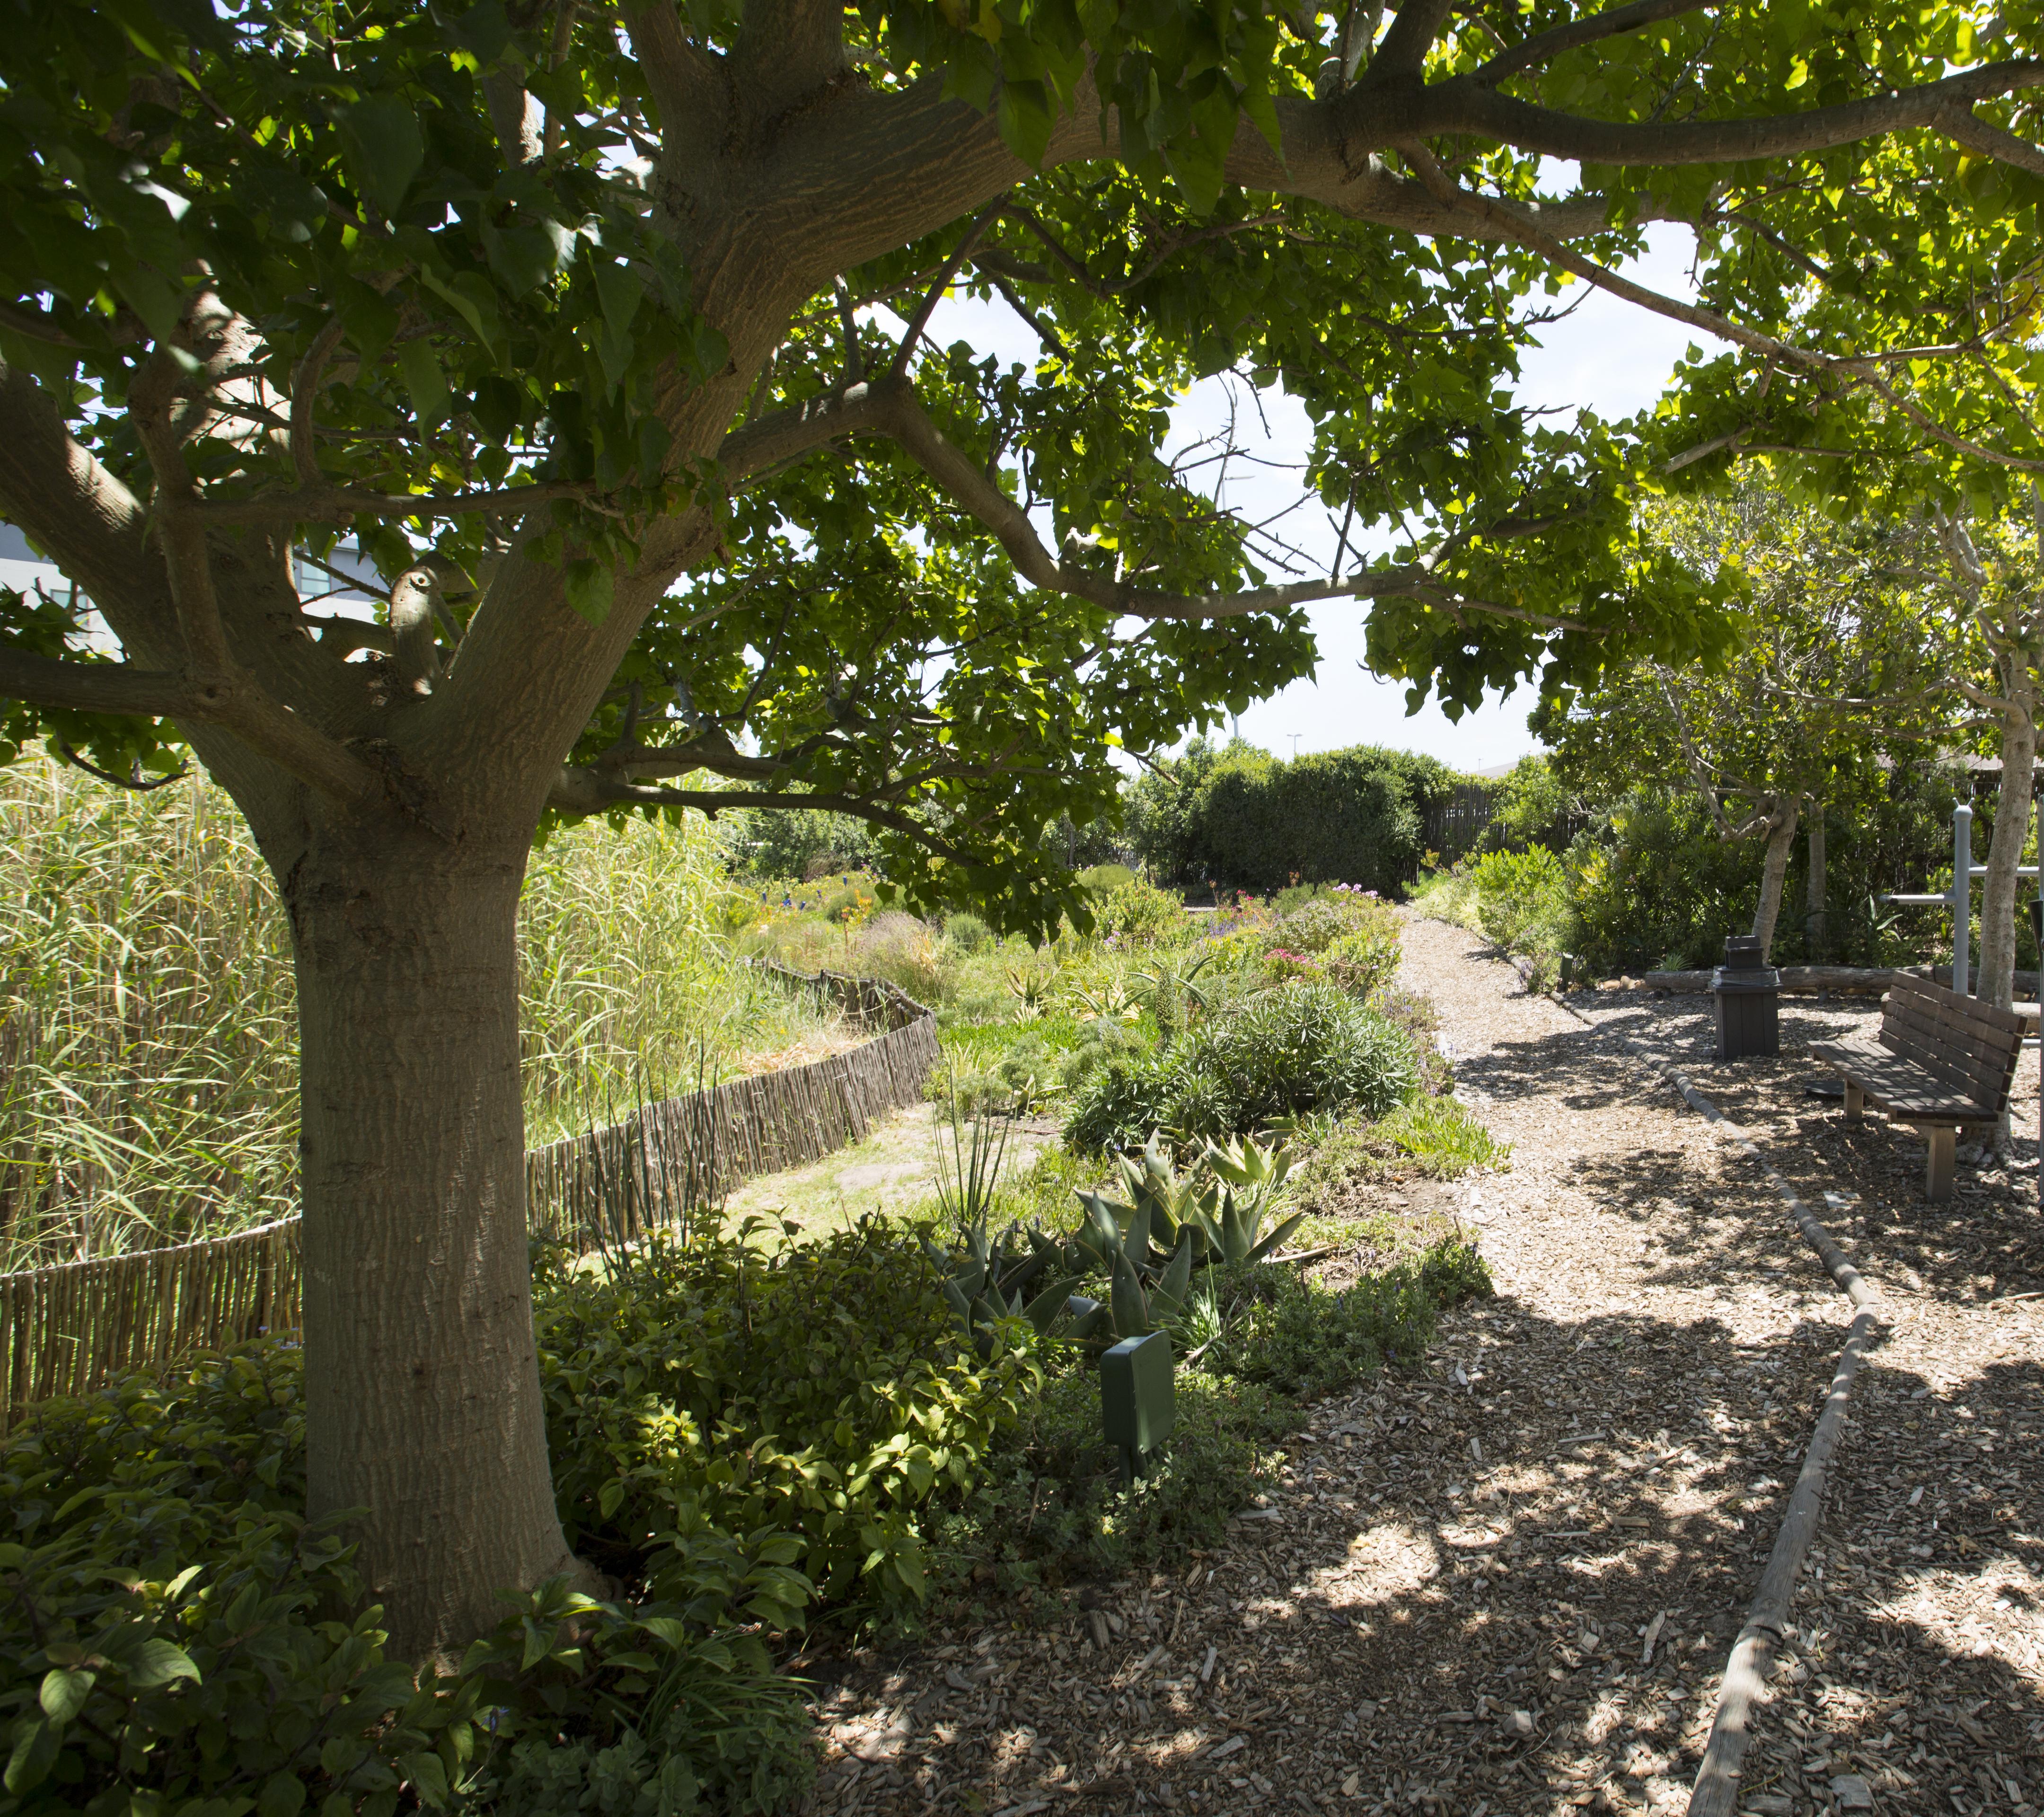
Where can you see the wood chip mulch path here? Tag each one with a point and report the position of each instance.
(1508, 1581)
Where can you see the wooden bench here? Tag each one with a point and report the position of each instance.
(1942, 1062)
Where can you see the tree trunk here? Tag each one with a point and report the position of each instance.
(422, 1388)
(1783, 812)
(2011, 831)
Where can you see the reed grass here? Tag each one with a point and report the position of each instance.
(148, 1049)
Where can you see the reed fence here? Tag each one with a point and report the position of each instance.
(66, 1330)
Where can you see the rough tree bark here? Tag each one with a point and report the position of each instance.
(1814, 893)
(422, 1388)
(1783, 812)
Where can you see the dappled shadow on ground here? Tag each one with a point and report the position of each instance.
(1865, 1180)
(1445, 1602)
(1506, 1582)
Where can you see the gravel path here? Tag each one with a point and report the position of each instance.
(1508, 1581)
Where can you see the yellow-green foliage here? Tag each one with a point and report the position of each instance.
(149, 1040)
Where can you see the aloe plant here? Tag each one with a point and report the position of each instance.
(1255, 1177)
(991, 1278)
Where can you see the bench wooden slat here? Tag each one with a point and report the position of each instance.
(1893, 1081)
(1970, 1045)
(1944, 1034)
(1939, 1000)
(1938, 1060)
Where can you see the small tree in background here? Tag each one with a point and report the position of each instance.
(1837, 661)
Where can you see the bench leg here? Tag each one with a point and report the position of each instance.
(1855, 1103)
(1937, 1166)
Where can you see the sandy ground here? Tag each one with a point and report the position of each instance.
(896, 1165)
(1506, 1581)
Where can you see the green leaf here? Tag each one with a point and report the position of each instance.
(1025, 120)
(35, 1753)
(485, 30)
(283, 1795)
(424, 382)
(381, 147)
(428, 1774)
(473, 300)
(590, 586)
(63, 1693)
(159, 1662)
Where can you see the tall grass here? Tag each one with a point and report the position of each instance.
(148, 1021)
(148, 1043)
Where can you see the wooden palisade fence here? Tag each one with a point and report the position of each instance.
(66, 1330)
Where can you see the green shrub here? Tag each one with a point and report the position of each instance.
(967, 932)
(1053, 1506)
(1118, 1104)
(169, 1640)
(708, 1728)
(710, 1394)
(1305, 1339)
(1365, 958)
(1245, 820)
(1522, 899)
(1280, 1053)
(1315, 925)
(1413, 1014)
(1137, 913)
(1104, 879)
(1531, 804)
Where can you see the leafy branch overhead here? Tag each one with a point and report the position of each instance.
(572, 305)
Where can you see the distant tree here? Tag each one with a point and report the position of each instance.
(1837, 660)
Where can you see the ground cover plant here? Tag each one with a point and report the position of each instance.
(176, 1635)
(729, 1497)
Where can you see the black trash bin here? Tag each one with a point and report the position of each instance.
(1746, 999)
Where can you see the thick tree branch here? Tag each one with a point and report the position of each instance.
(881, 167)
(1964, 127)
(1413, 29)
(578, 790)
(1464, 106)
(786, 50)
(770, 441)
(515, 116)
(106, 687)
(683, 79)
(342, 504)
(90, 523)
(305, 395)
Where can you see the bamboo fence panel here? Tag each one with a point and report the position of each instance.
(64, 1330)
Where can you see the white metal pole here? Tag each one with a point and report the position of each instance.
(1962, 899)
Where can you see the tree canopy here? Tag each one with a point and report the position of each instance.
(553, 306)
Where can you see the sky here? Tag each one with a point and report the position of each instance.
(1609, 356)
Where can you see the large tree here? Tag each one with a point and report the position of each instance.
(555, 305)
